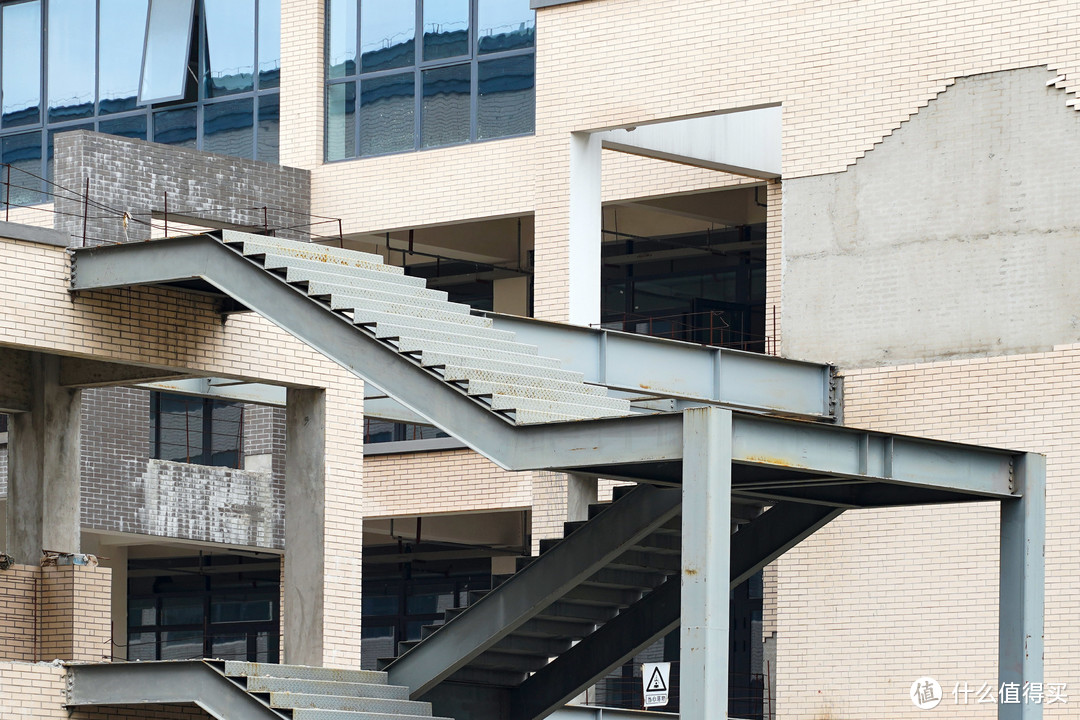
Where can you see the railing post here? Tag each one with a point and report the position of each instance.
(166, 213)
(85, 208)
(7, 194)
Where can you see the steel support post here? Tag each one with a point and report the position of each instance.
(1020, 620)
(706, 563)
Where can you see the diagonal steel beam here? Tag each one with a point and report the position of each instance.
(753, 547)
(527, 593)
(194, 682)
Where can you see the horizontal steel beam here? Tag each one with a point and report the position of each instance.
(189, 682)
(670, 368)
(222, 389)
(819, 448)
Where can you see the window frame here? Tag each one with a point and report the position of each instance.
(419, 66)
(206, 429)
(140, 100)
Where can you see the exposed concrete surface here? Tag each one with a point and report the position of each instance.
(43, 466)
(984, 179)
(305, 502)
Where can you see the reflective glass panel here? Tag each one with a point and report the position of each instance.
(23, 152)
(267, 138)
(129, 127)
(446, 28)
(181, 611)
(387, 113)
(184, 645)
(123, 23)
(341, 39)
(269, 43)
(165, 60)
(230, 46)
(228, 128)
(142, 646)
(21, 60)
(506, 97)
(505, 25)
(176, 127)
(387, 35)
(229, 647)
(446, 106)
(341, 121)
(72, 35)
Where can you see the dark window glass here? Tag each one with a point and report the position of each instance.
(230, 47)
(165, 58)
(446, 28)
(387, 35)
(3, 423)
(267, 150)
(341, 121)
(23, 152)
(341, 43)
(505, 25)
(72, 34)
(21, 60)
(129, 127)
(120, 47)
(446, 111)
(196, 430)
(241, 608)
(269, 44)
(181, 645)
(142, 646)
(228, 127)
(506, 97)
(386, 114)
(227, 433)
(176, 127)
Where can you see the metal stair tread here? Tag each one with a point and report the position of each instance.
(318, 714)
(500, 401)
(320, 288)
(267, 684)
(242, 668)
(362, 313)
(486, 383)
(316, 259)
(231, 238)
(518, 352)
(507, 367)
(290, 700)
(347, 275)
(360, 279)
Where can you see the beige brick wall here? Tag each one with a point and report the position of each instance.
(75, 613)
(879, 598)
(18, 613)
(56, 613)
(173, 329)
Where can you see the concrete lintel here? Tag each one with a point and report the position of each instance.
(222, 389)
(84, 373)
(745, 142)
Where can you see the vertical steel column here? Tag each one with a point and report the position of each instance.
(706, 563)
(1020, 610)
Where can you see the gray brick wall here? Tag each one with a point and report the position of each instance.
(134, 176)
(122, 488)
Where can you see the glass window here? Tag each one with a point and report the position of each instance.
(165, 57)
(267, 151)
(229, 647)
(230, 47)
(120, 46)
(133, 126)
(176, 127)
(446, 28)
(386, 114)
(506, 97)
(387, 35)
(23, 152)
(505, 25)
(197, 430)
(181, 645)
(341, 40)
(21, 60)
(228, 128)
(341, 121)
(72, 34)
(269, 44)
(446, 108)
(181, 611)
(142, 646)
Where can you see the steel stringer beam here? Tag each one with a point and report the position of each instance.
(527, 593)
(754, 546)
(818, 448)
(191, 682)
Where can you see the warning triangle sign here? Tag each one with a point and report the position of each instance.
(656, 682)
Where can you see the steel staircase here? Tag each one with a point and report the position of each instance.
(245, 690)
(511, 638)
(509, 378)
